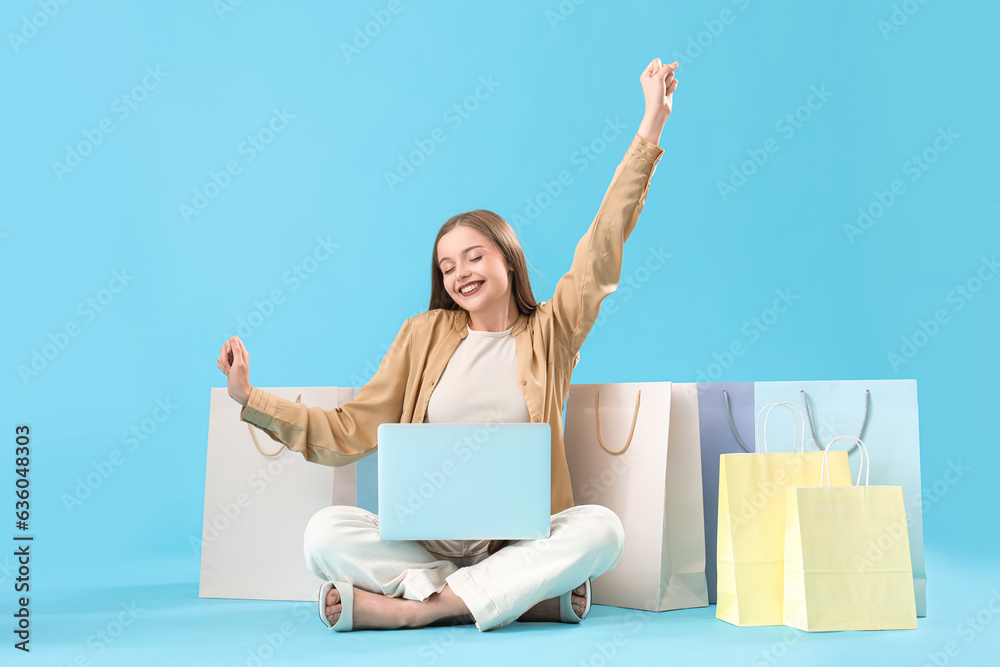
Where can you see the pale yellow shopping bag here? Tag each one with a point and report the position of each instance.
(753, 489)
(847, 557)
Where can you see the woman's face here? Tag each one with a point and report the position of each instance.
(466, 258)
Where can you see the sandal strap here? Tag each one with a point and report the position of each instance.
(346, 621)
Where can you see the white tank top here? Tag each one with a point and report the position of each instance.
(479, 384)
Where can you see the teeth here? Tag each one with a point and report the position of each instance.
(471, 288)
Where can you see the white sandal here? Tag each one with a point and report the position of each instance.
(346, 621)
(566, 612)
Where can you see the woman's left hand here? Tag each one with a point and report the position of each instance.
(658, 86)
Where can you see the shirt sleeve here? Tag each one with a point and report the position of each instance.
(344, 434)
(597, 262)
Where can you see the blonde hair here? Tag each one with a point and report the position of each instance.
(501, 235)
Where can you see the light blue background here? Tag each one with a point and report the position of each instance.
(323, 176)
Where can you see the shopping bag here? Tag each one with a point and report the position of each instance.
(847, 556)
(751, 538)
(634, 449)
(726, 426)
(259, 496)
(883, 413)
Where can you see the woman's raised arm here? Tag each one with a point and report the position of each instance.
(597, 261)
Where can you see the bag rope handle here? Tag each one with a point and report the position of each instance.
(725, 396)
(597, 415)
(864, 422)
(257, 445)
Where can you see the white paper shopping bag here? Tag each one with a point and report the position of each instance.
(258, 498)
(634, 448)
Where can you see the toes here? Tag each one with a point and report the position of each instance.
(333, 606)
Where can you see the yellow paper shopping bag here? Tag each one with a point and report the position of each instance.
(751, 533)
(847, 557)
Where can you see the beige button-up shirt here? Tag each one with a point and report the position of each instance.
(548, 342)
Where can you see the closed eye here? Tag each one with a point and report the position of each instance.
(474, 259)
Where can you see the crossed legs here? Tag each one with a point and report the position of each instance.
(401, 584)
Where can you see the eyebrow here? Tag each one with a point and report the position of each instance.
(463, 252)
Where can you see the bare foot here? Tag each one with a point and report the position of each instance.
(548, 610)
(373, 611)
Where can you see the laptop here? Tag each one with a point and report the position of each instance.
(474, 481)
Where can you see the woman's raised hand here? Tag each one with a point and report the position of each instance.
(234, 361)
(658, 86)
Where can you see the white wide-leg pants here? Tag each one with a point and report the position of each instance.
(341, 543)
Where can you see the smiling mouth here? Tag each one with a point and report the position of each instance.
(473, 290)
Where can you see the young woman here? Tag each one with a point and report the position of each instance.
(484, 350)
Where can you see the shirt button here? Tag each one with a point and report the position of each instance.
(524, 382)
(536, 419)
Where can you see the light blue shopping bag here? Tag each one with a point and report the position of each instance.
(882, 413)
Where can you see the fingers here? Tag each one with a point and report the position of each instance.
(232, 353)
(223, 362)
(667, 71)
(240, 350)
